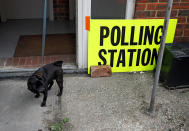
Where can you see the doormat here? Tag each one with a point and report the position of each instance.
(57, 44)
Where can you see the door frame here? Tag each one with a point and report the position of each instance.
(83, 8)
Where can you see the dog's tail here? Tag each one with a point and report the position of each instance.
(58, 63)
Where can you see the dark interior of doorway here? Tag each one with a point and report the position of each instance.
(61, 44)
(21, 30)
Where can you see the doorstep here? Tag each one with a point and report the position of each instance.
(25, 66)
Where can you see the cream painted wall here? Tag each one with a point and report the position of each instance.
(24, 9)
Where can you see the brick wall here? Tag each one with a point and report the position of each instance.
(156, 9)
(61, 9)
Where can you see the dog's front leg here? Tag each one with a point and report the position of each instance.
(44, 98)
(50, 84)
(60, 85)
(59, 81)
(37, 95)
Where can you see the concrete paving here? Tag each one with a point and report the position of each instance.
(116, 103)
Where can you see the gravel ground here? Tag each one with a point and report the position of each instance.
(116, 103)
(119, 103)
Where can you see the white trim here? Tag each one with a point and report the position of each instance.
(130, 9)
(79, 33)
(83, 9)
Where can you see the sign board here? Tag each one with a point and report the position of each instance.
(127, 45)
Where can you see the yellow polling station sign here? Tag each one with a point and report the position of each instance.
(127, 45)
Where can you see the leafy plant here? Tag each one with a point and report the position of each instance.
(58, 126)
(65, 120)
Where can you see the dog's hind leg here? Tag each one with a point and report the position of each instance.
(59, 81)
(50, 85)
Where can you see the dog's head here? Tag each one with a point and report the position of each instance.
(35, 84)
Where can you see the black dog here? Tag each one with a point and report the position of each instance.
(42, 80)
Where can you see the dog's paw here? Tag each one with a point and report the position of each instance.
(49, 88)
(59, 94)
(37, 96)
(43, 104)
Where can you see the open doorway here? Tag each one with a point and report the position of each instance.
(21, 29)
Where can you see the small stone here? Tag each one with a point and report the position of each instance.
(101, 71)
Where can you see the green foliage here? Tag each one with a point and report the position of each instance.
(58, 126)
(66, 120)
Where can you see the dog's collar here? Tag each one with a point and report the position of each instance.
(39, 75)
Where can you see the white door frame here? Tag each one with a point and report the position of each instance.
(83, 8)
(130, 9)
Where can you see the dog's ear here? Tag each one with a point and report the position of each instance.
(58, 63)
